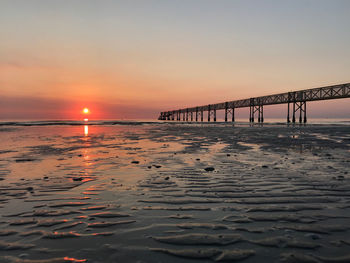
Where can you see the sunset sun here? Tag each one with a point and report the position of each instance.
(86, 111)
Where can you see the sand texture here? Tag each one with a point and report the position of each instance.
(175, 193)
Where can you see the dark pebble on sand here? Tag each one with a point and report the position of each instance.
(135, 162)
(198, 159)
(80, 155)
(24, 160)
(166, 178)
(313, 236)
(149, 167)
(77, 179)
(157, 166)
(209, 169)
(228, 154)
(264, 166)
(30, 189)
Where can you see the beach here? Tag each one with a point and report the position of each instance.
(174, 192)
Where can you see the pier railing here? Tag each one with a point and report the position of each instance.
(298, 100)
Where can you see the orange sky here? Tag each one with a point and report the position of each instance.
(132, 60)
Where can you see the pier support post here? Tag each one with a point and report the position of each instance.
(301, 107)
(289, 99)
(196, 113)
(209, 113)
(260, 110)
(251, 110)
(233, 114)
(183, 116)
(191, 116)
(302, 111)
(202, 115)
(250, 113)
(294, 106)
(261, 113)
(230, 110)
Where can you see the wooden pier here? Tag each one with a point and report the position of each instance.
(296, 99)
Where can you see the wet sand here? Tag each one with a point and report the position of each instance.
(175, 193)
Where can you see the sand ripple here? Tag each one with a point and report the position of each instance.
(176, 193)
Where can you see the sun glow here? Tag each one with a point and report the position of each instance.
(86, 111)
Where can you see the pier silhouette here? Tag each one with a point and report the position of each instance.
(295, 100)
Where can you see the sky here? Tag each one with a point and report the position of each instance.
(132, 59)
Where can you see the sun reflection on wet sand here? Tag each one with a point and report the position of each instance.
(68, 259)
(86, 130)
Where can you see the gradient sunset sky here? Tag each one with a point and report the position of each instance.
(133, 59)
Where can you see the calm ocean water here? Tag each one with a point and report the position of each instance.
(328, 121)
